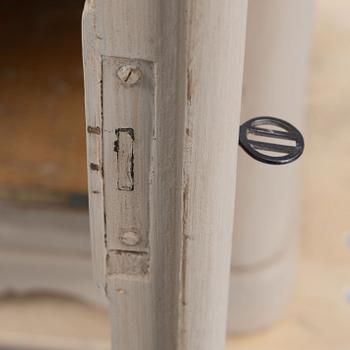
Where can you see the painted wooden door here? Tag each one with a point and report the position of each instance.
(163, 94)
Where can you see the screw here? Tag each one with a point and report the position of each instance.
(129, 75)
(130, 238)
(94, 130)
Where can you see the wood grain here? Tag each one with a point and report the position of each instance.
(268, 202)
(172, 293)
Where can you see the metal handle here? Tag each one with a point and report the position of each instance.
(289, 148)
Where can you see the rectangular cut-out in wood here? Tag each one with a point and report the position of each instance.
(128, 263)
(124, 147)
(128, 136)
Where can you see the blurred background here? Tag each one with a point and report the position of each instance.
(47, 297)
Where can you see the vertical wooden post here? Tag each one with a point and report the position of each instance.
(268, 197)
(163, 93)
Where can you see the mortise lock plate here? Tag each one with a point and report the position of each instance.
(271, 140)
(128, 95)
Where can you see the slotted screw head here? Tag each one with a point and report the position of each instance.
(129, 75)
(130, 238)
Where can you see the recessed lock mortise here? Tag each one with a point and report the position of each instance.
(129, 125)
(124, 147)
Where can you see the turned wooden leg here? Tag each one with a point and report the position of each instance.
(268, 197)
(163, 93)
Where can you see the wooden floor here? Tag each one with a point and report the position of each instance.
(319, 317)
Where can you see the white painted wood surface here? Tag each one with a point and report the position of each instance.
(93, 106)
(50, 230)
(46, 251)
(39, 271)
(168, 289)
(268, 197)
(215, 51)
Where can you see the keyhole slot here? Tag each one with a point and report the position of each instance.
(124, 147)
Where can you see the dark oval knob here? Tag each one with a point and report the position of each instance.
(257, 136)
